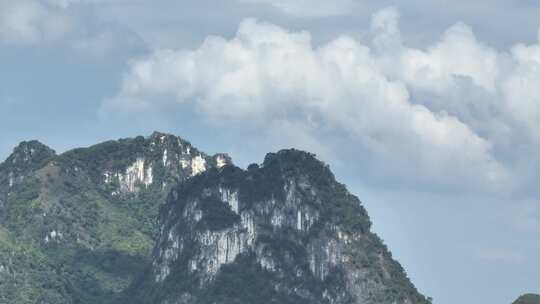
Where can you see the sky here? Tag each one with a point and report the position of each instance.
(429, 111)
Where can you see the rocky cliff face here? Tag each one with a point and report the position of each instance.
(284, 232)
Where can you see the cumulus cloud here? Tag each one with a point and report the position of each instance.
(309, 8)
(59, 24)
(267, 73)
(521, 88)
(457, 55)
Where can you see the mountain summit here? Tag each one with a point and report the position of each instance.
(284, 232)
(154, 220)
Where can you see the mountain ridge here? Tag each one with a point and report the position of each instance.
(95, 236)
(87, 207)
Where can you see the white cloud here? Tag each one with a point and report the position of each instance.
(310, 8)
(27, 21)
(56, 24)
(458, 54)
(267, 73)
(527, 53)
(521, 88)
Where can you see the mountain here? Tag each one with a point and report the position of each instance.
(528, 299)
(79, 227)
(284, 232)
(154, 220)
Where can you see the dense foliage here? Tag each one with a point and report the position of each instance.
(246, 282)
(69, 236)
(216, 215)
(66, 236)
(338, 205)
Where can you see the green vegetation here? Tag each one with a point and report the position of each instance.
(244, 281)
(96, 252)
(114, 155)
(67, 236)
(338, 205)
(217, 215)
(23, 205)
(26, 157)
(64, 274)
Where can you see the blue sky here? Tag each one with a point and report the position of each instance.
(428, 110)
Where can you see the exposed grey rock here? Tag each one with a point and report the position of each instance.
(303, 235)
